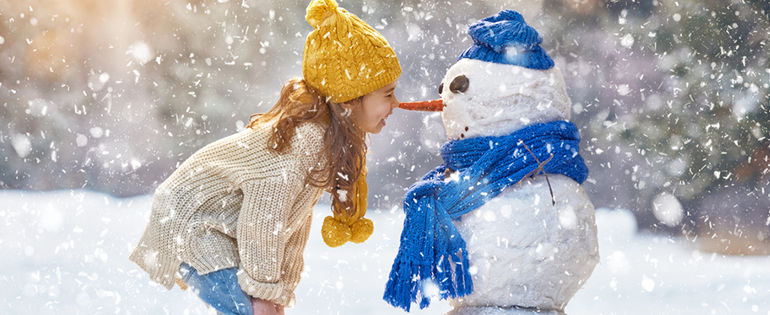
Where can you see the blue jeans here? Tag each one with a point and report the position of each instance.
(219, 289)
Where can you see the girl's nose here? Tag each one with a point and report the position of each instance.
(395, 102)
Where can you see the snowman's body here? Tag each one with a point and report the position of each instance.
(525, 252)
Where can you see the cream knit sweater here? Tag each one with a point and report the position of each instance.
(235, 203)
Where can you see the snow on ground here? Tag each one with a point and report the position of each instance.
(65, 252)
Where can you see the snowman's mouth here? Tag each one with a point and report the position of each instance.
(426, 106)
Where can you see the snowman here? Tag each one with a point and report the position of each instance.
(504, 225)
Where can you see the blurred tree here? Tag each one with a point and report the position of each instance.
(671, 96)
(112, 95)
(674, 98)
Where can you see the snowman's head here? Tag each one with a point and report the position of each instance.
(503, 82)
(491, 99)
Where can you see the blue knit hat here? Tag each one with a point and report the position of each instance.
(505, 38)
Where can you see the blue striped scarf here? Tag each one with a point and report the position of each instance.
(485, 167)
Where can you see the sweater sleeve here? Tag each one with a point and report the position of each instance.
(262, 238)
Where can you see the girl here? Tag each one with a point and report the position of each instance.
(233, 220)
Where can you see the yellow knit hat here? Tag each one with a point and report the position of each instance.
(344, 57)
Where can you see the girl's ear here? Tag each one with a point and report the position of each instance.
(349, 105)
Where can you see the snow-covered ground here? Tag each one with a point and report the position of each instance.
(65, 252)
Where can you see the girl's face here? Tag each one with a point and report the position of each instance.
(373, 110)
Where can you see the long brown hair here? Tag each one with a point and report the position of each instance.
(344, 143)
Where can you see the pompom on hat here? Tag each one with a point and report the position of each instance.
(505, 38)
(345, 58)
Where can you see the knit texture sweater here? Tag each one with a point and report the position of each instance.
(234, 203)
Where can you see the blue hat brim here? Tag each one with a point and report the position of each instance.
(535, 58)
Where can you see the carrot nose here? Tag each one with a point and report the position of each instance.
(427, 106)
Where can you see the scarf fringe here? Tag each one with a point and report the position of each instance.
(444, 275)
(466, 286)
(454, 282)
(402, 289)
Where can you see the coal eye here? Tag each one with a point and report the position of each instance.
(459, 84)
(441, 88)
